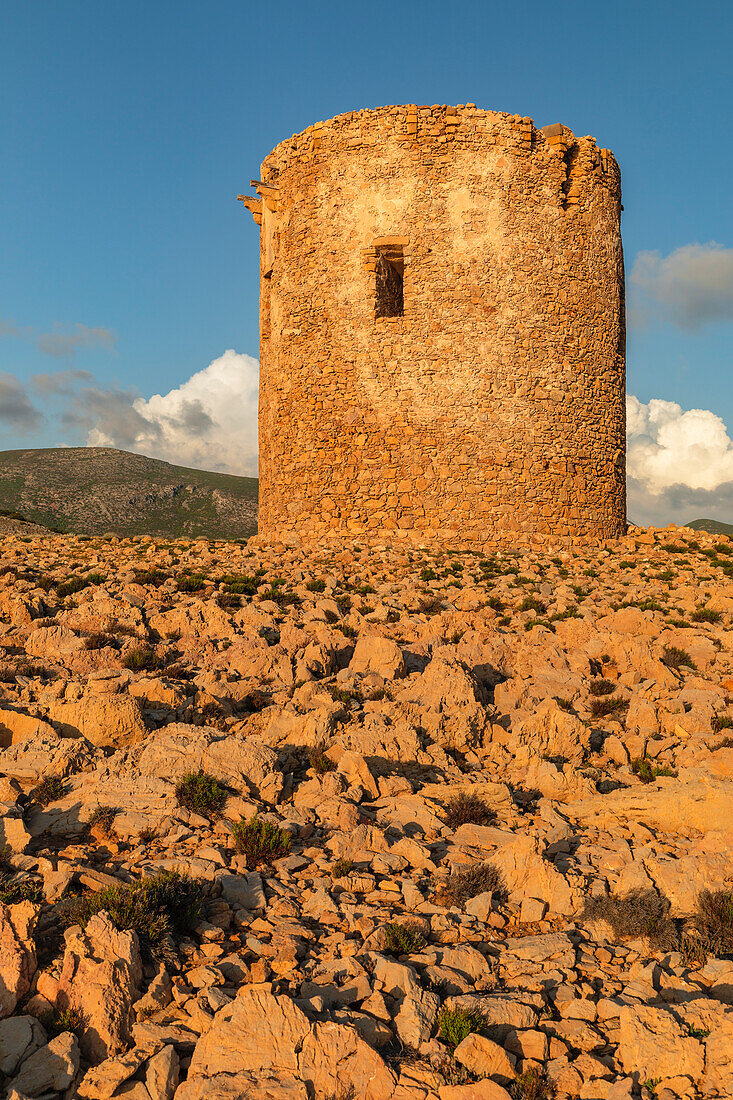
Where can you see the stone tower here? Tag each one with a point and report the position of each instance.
(441, 329)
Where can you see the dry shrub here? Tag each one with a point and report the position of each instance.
(468, 809)
(640, 913)
(479, 879)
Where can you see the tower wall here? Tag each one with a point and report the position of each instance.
(495, 403)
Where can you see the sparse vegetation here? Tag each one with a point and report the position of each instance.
(713, 920)
(601, 687)
(705, 615)
(468, 809)
(676, 658)
(605, 707)
(342, 868)
(319, 761)
(532, 1085)
(479, 879)
(103, 819)
(156, 908)
(141, 659)
(260, 841)
(403, 939)
(50, 789)
(61, 1020)
(200, 793)
(638, 914)
(455, 1024)
(194, 582)
(648, 771)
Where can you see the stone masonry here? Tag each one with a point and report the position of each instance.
(442, 329)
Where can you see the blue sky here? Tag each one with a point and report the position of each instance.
(128, 129)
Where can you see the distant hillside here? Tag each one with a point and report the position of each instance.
(714, 526)
(93, 490)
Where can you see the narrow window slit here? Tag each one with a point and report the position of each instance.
(389, 298)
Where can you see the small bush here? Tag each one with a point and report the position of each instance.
(319, 761)
(640, 913)
(260, 841)
(468, 809)
(201, 794)
(153, 577)
(193, 583)
(70, 586)
(61, 1020)
(532, 1085)
(648, 771)
(403, 939)
(531, 603)
(141, 659)
(316, 585)
(714, 920)
(455, 1024)
(103, 818)
(342, 868)
(48, 790)
(704, 615)
(675, 658)
(428, 575)
(15, 888)
(601, 687)
(155, 908)
(98, 640)
(603, 708)
(464, 885)
(722, 722)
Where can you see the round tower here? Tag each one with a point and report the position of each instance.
(441, 329)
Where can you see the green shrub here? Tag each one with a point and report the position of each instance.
(704, 615)
(722, 722)
(648, 771)
(260, 841)
(342, 868)
(70, 586)
(403, 939)
(468, 809)
(316, 585)
(201, 794)
(48, 790)
(531, 603)
(60, 1020)
(319, 761)
(155, 908)
(98, 640)
(141, 659)
(192, 583)
(153, 577)
(456, 1024)
(19, 887)
(639, 913)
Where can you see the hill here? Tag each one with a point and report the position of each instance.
(713, 526)
(93, 490)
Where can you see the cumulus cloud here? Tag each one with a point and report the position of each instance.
(17, 413)
(679, 463)
(690, 286)
(209, 422)
(63, 341)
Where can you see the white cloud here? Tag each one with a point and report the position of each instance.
(679, 463)
(690, 286)
(209, 422)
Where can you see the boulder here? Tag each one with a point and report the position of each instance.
(109, 721)
(17, 954)
(653, 1044)
(373, 653)
(100, 977)
(16, 726)
(50, 1069)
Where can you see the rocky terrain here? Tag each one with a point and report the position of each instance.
(98, 490)
(382, 823)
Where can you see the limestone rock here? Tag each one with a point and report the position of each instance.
(17, 954)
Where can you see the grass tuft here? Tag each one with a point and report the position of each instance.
(639, 913)
(48, 790)
(403, 939)
(456, 1024)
